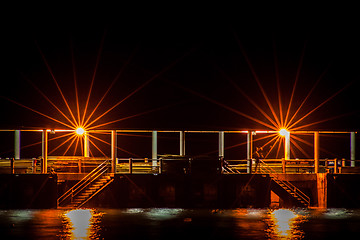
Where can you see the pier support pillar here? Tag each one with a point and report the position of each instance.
(249, 150)
(17, 144)
(316, 151)
(113, 151)
(221, 144)
(154, 148)
(321, 184)
(44, 148)
(352, 149)
(182, 143)
(86, 145)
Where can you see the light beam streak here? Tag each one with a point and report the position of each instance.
(140, 87)
(53, 104)
(258, 81)
(300, 148)
(277, 76)
(112, 84)
(55, 81)
(40, 113)
(295, 83)
(75, 83)
(76, 145)
(320, 105)
(93, 78)
(121, 149)
(278, 138)
(97, 147)
(60, 145)
(67, 149)
(248, 98)
(307, 96)
(225, 106)
(125, 118)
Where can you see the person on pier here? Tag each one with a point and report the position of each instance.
(259, 154)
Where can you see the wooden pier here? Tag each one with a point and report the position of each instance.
(180, 180)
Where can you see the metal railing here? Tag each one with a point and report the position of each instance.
(138, 165)
(83, 183)
(291, 166)
(20, 166)
(79, 164)
(266, 169)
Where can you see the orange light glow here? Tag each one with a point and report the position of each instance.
(283, 132)
(80, 131)
(82, 224)
(285, 224)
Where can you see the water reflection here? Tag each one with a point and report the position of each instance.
(81, 224)
(165, 223)
(285, 224)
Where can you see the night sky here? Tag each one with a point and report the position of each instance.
(194, 67)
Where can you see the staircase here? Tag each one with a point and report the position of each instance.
(301, 198)
(86, 188)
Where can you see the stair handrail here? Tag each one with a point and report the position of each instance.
(87, 182)
(92, 195)
(293, 188)
(90, 177)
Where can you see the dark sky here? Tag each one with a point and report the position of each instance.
(181, 56)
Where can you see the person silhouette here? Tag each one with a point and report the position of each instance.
(259, 154)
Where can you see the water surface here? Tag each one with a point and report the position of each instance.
(169, 223)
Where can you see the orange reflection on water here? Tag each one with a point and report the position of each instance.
(284, 224)
(81, 224)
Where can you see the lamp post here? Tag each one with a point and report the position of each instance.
(286, 134)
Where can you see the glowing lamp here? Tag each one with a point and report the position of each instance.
(283, 132)
(80, 131)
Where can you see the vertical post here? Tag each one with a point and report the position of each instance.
(44, 148)
(316, 151)
(221, 144)
(79, 164)
(287, 145)
(352, 149)
(113, 151)
(17, 144)
(283, 164)
(161, 166)
(249, 148)
(182, 143)
(86, 145)
(130, 165)
(12, 165)
(154, 148)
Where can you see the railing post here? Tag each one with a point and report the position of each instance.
(86, 145)
(17, 144)
(249, 148)
(154, 149)
(221, 144)
(12, 165)
(283, 165)
(44, 146)
(113, 151)
(182, 143)
(249, 165)
(316, 151)
(335, 165)
(79, 165)
(352, 149)
(222, 163)
(130, 165)
(161, 165)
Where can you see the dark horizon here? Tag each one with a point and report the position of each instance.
(182, 75)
